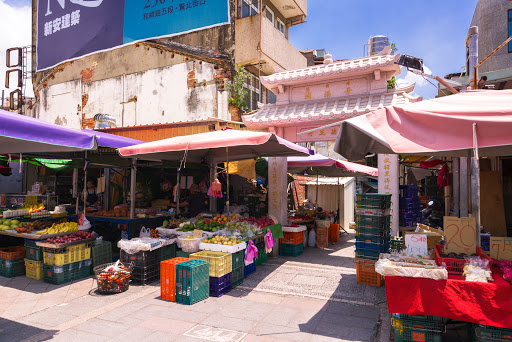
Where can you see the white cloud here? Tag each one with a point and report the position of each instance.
(16, 28)
(413, 78)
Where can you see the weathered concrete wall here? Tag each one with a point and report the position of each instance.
(58, 104)
(248, 37)
(491, 17)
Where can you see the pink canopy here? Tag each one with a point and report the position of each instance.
(324, 166)
(215, 146)
(449, 126)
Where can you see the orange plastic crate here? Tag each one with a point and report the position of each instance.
(322, 237)
(334, 233)
(291, 238)
(366, 273)
(11, 253)
(168, 278)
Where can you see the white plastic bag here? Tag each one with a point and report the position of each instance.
(145, 232)
(312, 238)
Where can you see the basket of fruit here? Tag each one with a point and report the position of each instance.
(189, 243)
(223, 244)
(113, 277)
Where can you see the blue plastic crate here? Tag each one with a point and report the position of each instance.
(372, 247)
(408, 191)
(221, 285)
(250, 269)
(412, 222)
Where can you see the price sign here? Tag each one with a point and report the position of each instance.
(198, 233)
(460, 234)
(501, 248)
(416, 244)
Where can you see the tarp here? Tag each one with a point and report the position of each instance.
(443, 126)
(216, 146)
(21, 134)
(325, 166)
(112, 140)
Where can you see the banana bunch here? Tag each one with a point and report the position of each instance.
(59, 228)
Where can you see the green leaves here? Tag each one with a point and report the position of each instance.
(237, 89)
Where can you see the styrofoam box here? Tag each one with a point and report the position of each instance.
(222, 248)
(294, 229)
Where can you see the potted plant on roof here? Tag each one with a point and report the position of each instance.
(237, 101)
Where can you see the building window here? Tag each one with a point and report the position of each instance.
(510, 29)
(280, 26)
(269, 14)
(272, 98)
(252, 84)
(248, 8)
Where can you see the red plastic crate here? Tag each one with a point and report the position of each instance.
(168, 278)
(292, 238)
(366, 273)
(322, 237)
(456, 266)
(334, 233)
(11, 253)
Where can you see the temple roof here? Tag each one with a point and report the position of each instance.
(330, 110)
(332, 70)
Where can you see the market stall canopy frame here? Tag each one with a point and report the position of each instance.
(325, 166)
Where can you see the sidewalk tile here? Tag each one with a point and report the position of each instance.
(166, 325)
(102, 327)
(219, 321)
(77, 335)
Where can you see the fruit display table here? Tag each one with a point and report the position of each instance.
(130, 224)
(482, 303)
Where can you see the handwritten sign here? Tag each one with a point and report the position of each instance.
(460, 234)
(501, 248)
(198, 233)
(416, 244)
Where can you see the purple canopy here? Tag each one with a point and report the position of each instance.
(111, 140)
(23, 134)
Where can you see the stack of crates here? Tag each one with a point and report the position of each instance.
(220, 271)
(192, 281)
(237, 264)
(373, 228)
(410, 206)
(292, 244)
(12, 261)
(410, 328)
(101, 253)
(34, 260)
(146, 265)
(64, 265)
(168, 278)
(168, 252)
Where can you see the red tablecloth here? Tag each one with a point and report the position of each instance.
(483, 303)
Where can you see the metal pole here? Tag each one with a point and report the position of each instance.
(106, 194)
(472, 43)
(227, 178)
(133, 180)
(213, 174)
(463, 187)
(456, 186)
(475, 195)
(85, 179)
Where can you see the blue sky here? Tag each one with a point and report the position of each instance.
(434, 30)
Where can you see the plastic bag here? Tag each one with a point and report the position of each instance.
(312, 238)
(250, 253)
(145, 232)
(269, 241)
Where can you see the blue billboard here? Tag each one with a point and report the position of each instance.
(70, 29)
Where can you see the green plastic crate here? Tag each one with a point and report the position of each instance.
(101, 254)
(181, 254)
(66, 273)
(488, 333)
(373, 222)
(12, 268)
(417, 330)
(238, 276)
(373, 201)
(192, 281)
(168, 252)
(291, 250)
(34, 253)
(238, 259)
(262, 254)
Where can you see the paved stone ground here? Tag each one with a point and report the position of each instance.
(314, 297)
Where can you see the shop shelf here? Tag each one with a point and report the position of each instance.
(374, 201)
(167, 252)
(486, 333)
(250, 269)
(34, 269)
(11, 253)
(237, 259)
(192, 281)
(34, 253)
(377, 222)
(322, 237)
(181, 254)
(292, 238)
(334, 233)
(291, 250)
(417, 331)
(12, 268)
(168, 278)
(262, 254)
(408, 191)
(101, 253)
(66, 273)
(238, 276)
(373, 247)
(373, 238)
(142, 258)
(366, 274)
(112, 282)
(220, 263)
(456, 266)
(145, 275)
(67, 255)
(221, 285)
